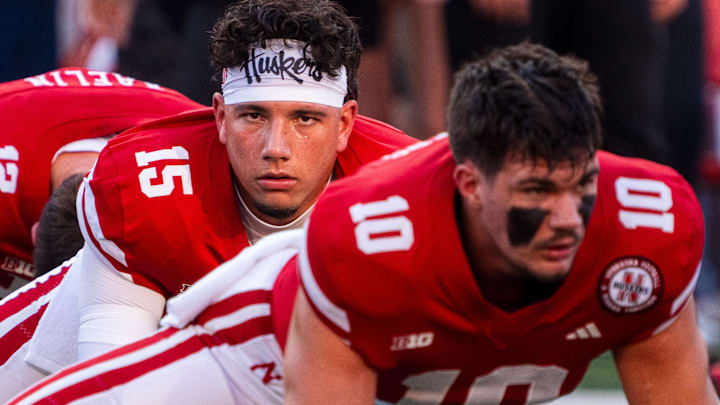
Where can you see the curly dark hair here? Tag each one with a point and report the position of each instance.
(331, 35)
(525, 101)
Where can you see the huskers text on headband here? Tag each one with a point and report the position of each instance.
(281, 71)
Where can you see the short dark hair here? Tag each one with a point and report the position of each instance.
(524, 101)
(322, 25)
(58, 235)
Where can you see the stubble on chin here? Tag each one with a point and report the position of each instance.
(280, 213)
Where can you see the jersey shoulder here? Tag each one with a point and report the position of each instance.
(368, 234)
(41, 114)
(79, 79)
(643, 197)
(185, 138)
(161, 195)
(647, 225)
(369, 140)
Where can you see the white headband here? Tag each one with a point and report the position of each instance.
(281, 72)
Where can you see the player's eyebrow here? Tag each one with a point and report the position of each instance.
(536, 181)
(544, 182)
(238, 108)
(314, 113)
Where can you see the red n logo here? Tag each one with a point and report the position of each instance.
(631, 293)
(269, 368)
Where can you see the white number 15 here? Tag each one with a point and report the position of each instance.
(169, 172)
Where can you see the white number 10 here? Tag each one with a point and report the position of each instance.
(543, 384)
(648, 195)
(401, 229)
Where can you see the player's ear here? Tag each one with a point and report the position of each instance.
(218, 104)
(469, 179)
(348, 113)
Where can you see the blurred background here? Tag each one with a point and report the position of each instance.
(658, 62)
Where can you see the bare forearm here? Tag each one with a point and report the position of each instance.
(319, 367)
(669, 368)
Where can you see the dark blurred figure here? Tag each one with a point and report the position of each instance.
(625, 49)
(27, 38)
(683, 115)
(646, 53)
(169, 45)
(472, 33)
(374, 93)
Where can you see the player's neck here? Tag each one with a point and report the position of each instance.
(501, 282)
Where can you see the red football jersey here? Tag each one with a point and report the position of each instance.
(384, 267)
(40, 114)
(160, 203)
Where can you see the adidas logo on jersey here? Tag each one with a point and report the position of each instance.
(589, 331)
(413, 341)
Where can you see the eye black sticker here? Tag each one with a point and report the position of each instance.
(586, 207)
(523, 224)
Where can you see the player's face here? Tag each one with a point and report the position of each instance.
(535, 217)
(282, 153)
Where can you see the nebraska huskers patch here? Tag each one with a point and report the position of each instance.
(630, 285)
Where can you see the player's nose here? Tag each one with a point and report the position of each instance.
(277, 136)
(565, 213)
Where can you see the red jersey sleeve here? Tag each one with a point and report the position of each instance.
(159, 204)
(369, 140)
(41, 114)
(654, 232)
(350, 290)
(359, 265)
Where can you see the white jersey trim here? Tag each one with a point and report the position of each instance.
(331, 311)
(83, 145)
(238, 317)
(19, 317)
(112, 364)
(41, 279)
(89, 213)
(254, 268)
(680, 300)
(664, 325)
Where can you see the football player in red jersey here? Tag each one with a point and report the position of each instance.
(476, 271)
(52, 128)
(170, 200)
(55, 125)
(397, 301)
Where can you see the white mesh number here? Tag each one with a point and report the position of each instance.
(9, 170)
(428, 388)
(543, 383)
(169, 172)
(399, 227)
(645, 195)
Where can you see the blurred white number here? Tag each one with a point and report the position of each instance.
(9, 170)
(647, 195)
(399, 226)
(543, 384)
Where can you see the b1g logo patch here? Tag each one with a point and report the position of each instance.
(630, 285)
